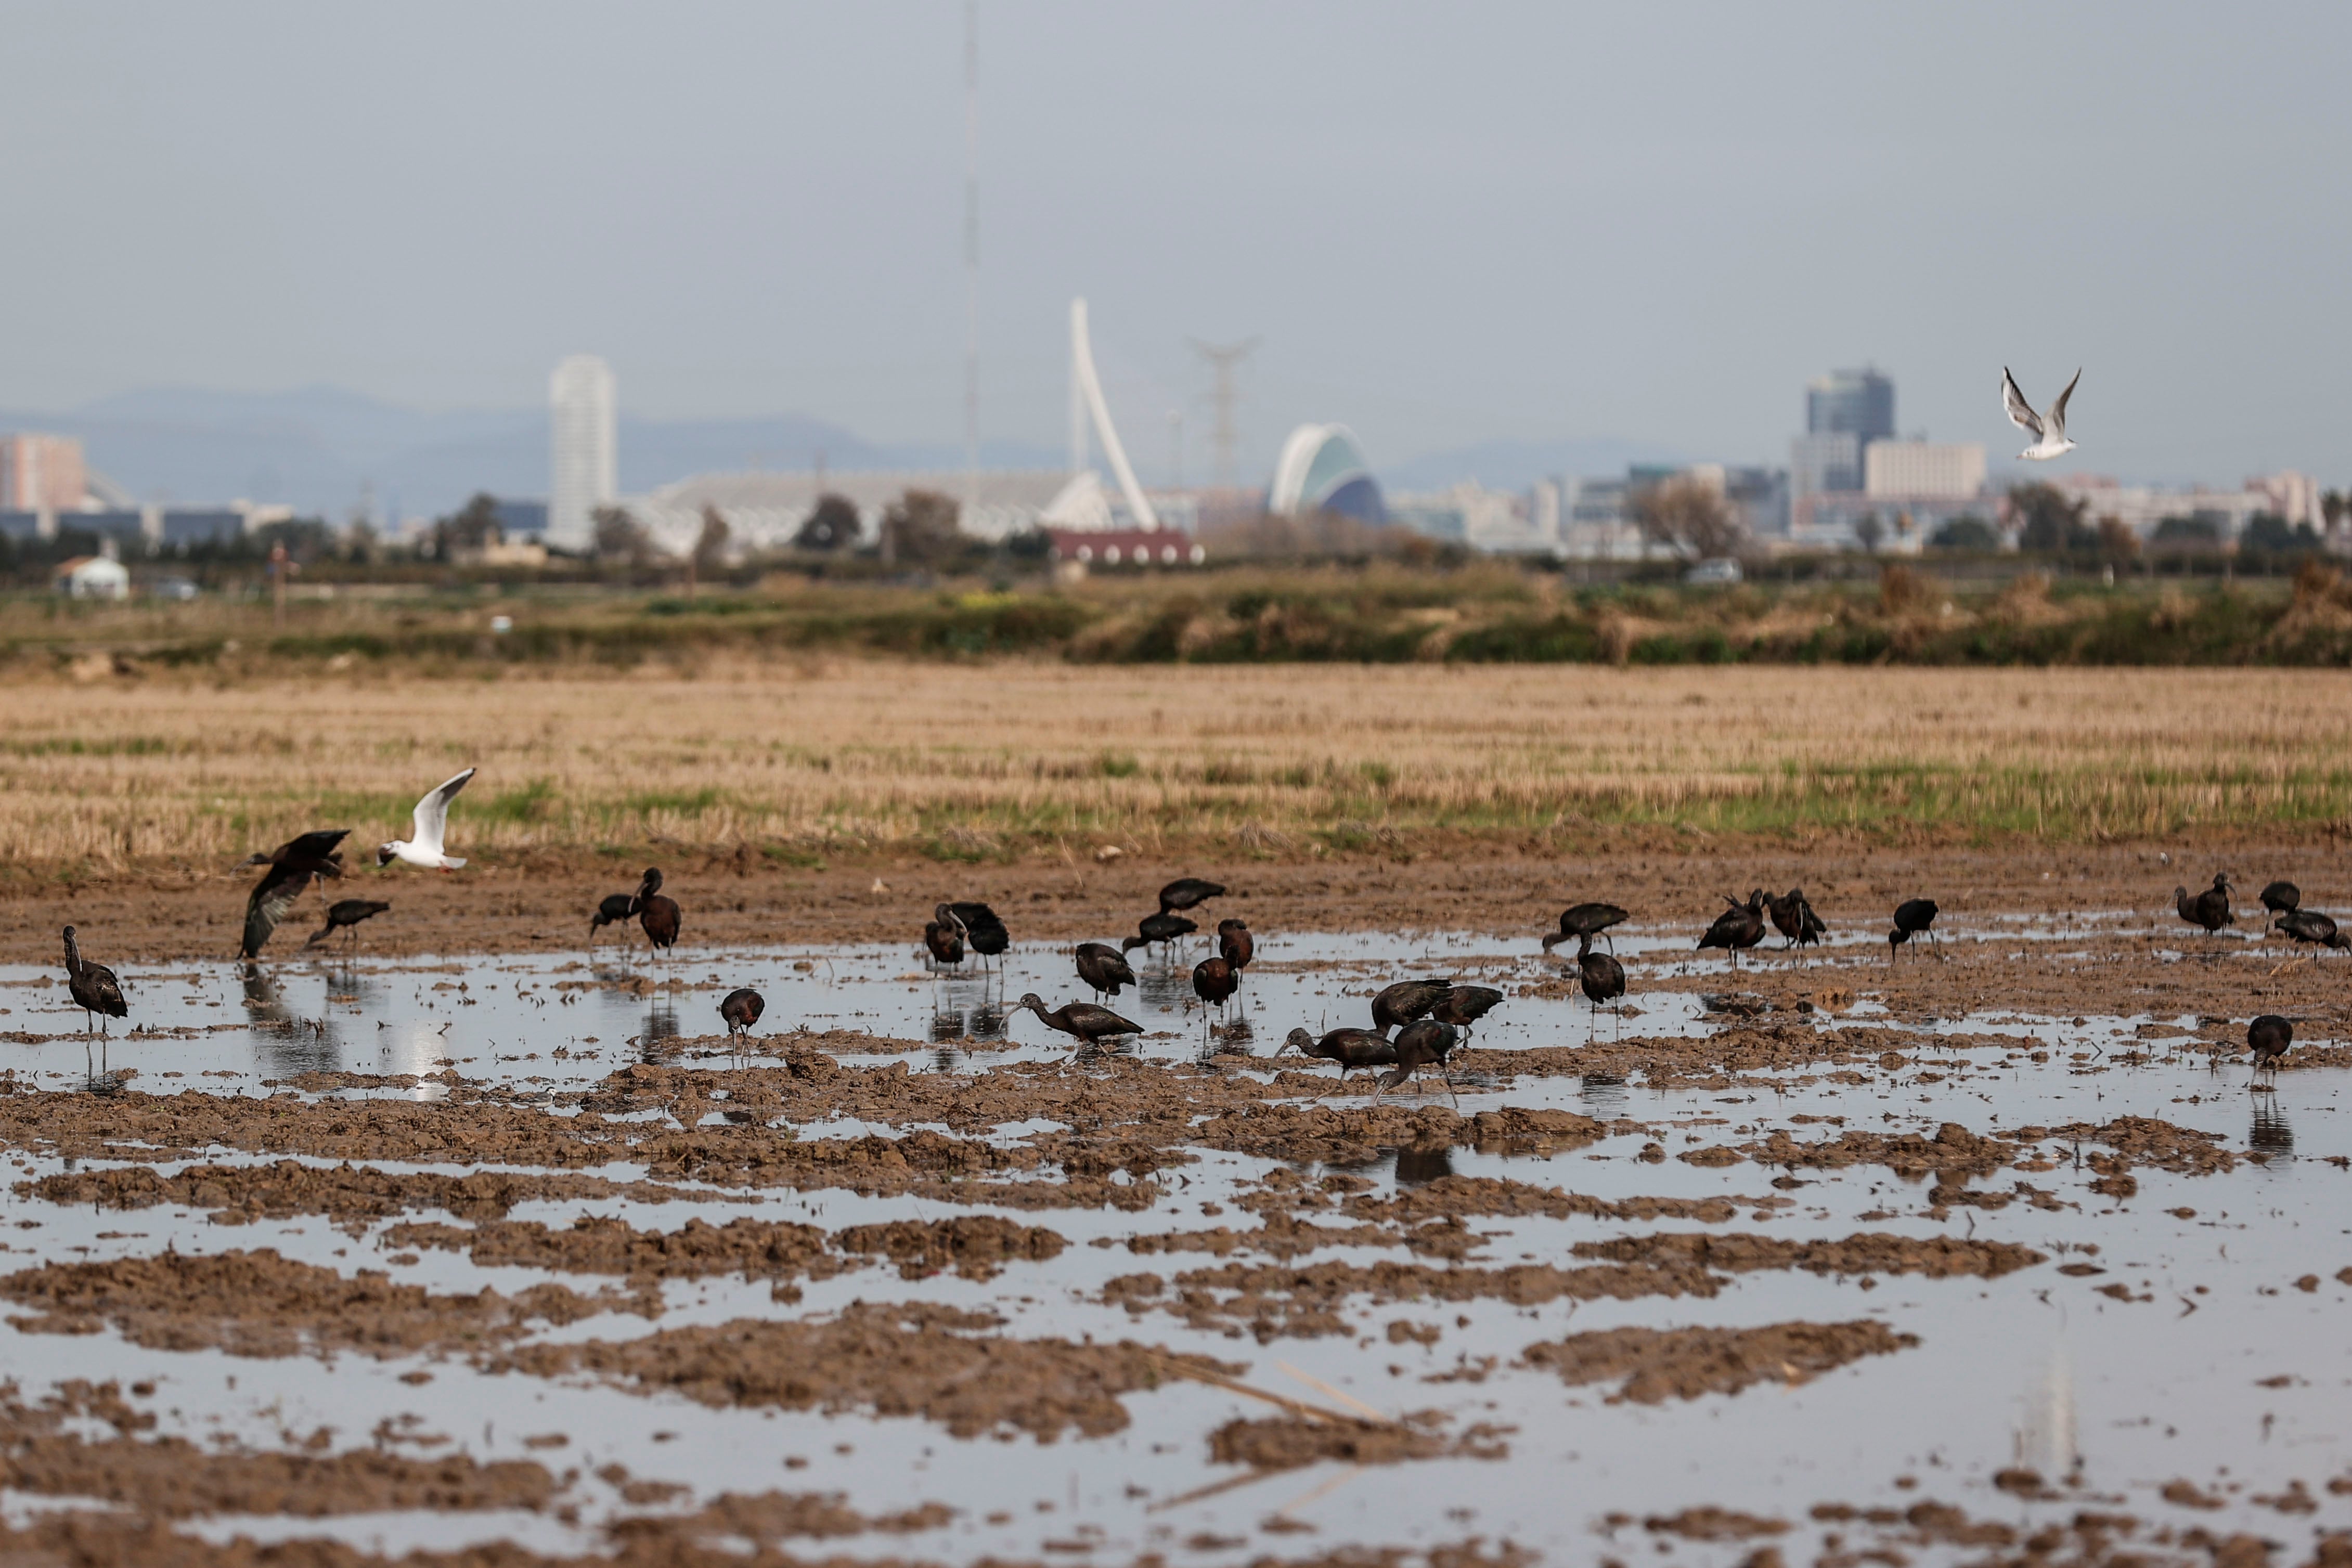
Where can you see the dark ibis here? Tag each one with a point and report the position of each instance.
(1188, 893)
(2210, 909)
(1793, 917)
(1582, 922)
(943, 936)
(1235, 946)
(1158, 929)
(1089, 1023)
(1214, 982)
(2280, 896)
(1912, 917)
(93, 985)
(1350, 1048)
(345, 914)
(1463, 1006)
(293, 865)
(1425, 1042)
(2311, 926)
(1399, 1004)
(1104, 967)
(983, 930)
(742, 1010)
(1601, 977)
(657, 913)
(2268, 1038)
(1738, 927)
(617, 909)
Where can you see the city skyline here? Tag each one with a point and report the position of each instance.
(1538, 253)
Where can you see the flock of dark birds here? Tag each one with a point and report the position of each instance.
(1415, 1023)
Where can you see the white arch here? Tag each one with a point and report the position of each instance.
(1085, 381)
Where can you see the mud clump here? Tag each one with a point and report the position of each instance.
(937, 1362)
(976, 1246)
(260, 1304)
(344, 1193)
(766, 1518)
(1714, 1524)
(1285, 1442)
(757, 1249)
(1952, 1149)
(1658, 1364)
(1869, 1252)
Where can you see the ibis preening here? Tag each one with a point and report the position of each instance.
(1793, 917)
(1156, 929)
(345, 914)
(1398, 1005)
(1740, 927)
(293, 866)
(943, 936)
(2268, 1037)
(616, 910)
(658, 914)
(93, 985)
(742, 1010)
(1234, 943)
(1104, 967)
(2310, 925)
(1350, 1048)
(1582, 921)
(1089, 1023)
(1188, 893)
(429, 826)
(1463, 1006)
(2280, 896)
(2210, 909)
(1912, 918)
(983, 931)
(1424, 1044)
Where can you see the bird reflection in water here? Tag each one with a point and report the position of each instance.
(951, 1021)
(288, 1043)
(1166, 986)
(661, 1029)
(1414, 1166)
(1602, 1091)
(2271, 1135)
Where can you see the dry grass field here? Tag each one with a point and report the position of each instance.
(976, 761)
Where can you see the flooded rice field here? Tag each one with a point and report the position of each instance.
(1986, 1254)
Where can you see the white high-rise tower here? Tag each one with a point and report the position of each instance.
(584, 449)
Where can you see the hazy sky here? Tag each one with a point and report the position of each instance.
(1447, 223)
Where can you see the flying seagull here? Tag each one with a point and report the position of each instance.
(2049, 435)
(424, 846)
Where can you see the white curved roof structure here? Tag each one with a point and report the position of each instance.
(1323, 469)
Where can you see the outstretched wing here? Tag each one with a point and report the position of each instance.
(2058, 409)
(2021, 413)
(270, 899)
(432, 818)
(312, 846)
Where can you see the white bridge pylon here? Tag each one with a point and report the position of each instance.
(1086, 404)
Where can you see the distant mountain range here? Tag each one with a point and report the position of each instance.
(313, 448)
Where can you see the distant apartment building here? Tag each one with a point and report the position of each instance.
(41, 474)
(2144, 509)
(1860, 403)
(1904, 469)
(584, 449)
(1825, 463)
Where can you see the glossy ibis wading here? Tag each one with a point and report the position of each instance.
(1350, 1048)
(742, 1010)
(2309, 925)
(1739, 927)
(293, 865)
(1602, 979)
(428, 827)
(1398, 1005)
(1425, 1042)
(1089, 1023)
(92, 986)
(658, 915)
(2210, 909)
(1793, 917)
(1235, 946)
(1188, 893)
(617, 909)
(983, 930)
(943, 938)
(1103, 967)
(1214, 982)
(1463, 1006)
(1156, 930)
(1913, 917)
(2268, 1038)
(2280, 896)
(1582, 921)
(345, 914)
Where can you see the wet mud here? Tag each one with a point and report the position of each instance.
(1658, 1364)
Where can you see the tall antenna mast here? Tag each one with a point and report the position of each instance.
(971, 261)
(1223, 359)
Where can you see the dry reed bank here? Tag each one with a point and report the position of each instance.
(793, 763)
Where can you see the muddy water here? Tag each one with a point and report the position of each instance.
(2177, 1349)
